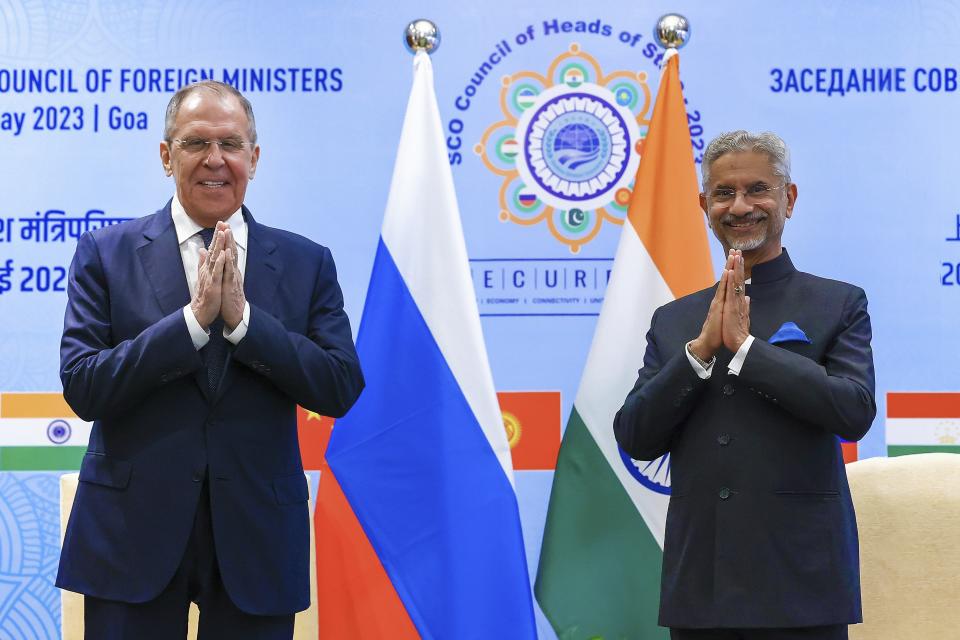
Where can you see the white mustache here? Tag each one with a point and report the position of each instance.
(753, 216)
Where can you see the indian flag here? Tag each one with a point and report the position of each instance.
(573, 77)
(923, 422)
(599, 573)
(38, 431)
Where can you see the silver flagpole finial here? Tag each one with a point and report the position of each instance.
(672, 31)
(421, 35)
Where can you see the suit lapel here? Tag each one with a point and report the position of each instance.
(161, 260)
(160, 257)
(262, 275)
(261, 279)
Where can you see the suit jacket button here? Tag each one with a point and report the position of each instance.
(164, 378)
(724, 493)
(723, 439)
(728, 389)
(197, 476)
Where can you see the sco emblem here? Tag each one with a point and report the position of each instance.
(568, 146)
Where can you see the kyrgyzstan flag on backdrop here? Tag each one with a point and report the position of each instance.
(599, 573)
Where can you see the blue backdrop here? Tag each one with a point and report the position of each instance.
(865, 94)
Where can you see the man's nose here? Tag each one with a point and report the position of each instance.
(740, 206)
(214, 155)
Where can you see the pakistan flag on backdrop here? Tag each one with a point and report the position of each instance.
(599, 574)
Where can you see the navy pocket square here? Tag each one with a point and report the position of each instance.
(789, 332)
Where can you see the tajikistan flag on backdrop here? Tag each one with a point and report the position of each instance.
(599, 574)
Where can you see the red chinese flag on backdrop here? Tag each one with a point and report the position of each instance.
(355, 598)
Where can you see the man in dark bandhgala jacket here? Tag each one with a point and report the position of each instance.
(749, 386)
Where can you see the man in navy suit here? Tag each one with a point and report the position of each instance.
(748, 386)
(190, 337)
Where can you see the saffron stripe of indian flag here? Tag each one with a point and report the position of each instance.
(923, 422)
(20, 404)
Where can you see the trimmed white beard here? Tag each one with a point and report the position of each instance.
(749, 244)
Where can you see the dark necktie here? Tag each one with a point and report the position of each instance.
(214, 353)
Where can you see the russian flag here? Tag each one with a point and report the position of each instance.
(423, 457)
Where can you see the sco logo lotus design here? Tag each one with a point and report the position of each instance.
(569, 146)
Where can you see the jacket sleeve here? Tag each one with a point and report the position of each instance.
(320, 370)
(101, 378)
(664, 395)
(837, 395)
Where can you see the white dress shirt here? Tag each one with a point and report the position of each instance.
(188, 237)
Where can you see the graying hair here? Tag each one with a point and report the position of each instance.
(742, 141)
(219, 88)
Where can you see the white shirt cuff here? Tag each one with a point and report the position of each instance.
(738, 358)
(197, 334)
(240, 331)
(703, 374)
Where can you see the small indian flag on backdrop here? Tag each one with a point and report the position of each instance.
(39, 432)
(923, 422)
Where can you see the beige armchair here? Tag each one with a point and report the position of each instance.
(908, 514)
(305, 624)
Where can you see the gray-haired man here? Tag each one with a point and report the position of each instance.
(748, 386)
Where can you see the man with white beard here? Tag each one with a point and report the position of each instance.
(749, 386)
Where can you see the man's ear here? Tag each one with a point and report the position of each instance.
(254, 159)
(165, 158)
(791, 198)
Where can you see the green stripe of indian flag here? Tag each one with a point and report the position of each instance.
(63, 458)
(39, 432)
